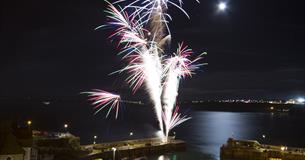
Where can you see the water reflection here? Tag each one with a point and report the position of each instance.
(190, 155)
(207, 131)
(162, 157)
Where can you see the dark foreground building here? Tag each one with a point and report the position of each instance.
(20, 142)
(252, 150)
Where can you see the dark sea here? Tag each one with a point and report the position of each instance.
(204, 133)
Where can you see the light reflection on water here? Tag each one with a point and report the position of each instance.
(182, 156)
(210, 130)
(162, 157)
(207, 131)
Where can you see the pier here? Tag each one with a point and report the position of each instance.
(253, 150)
(131, 149)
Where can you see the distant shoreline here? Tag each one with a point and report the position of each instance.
(12, 105)
(246, 107)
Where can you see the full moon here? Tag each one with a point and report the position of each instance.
(222, 6)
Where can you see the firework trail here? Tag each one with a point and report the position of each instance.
(176, 67)
(175, 119)
(144, 51)
(152, 68)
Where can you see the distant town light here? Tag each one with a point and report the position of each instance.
(113, 149)
(301, 100)
(66, 126)
(94, 139)
(283, 148)
(29, 122)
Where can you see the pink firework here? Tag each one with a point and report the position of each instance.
(101, 99)
(135, 69)
(130, 33)
(181, 61)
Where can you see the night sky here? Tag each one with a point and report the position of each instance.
(255, 49)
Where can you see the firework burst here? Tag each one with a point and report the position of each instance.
(142, 32)
(102, 99)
